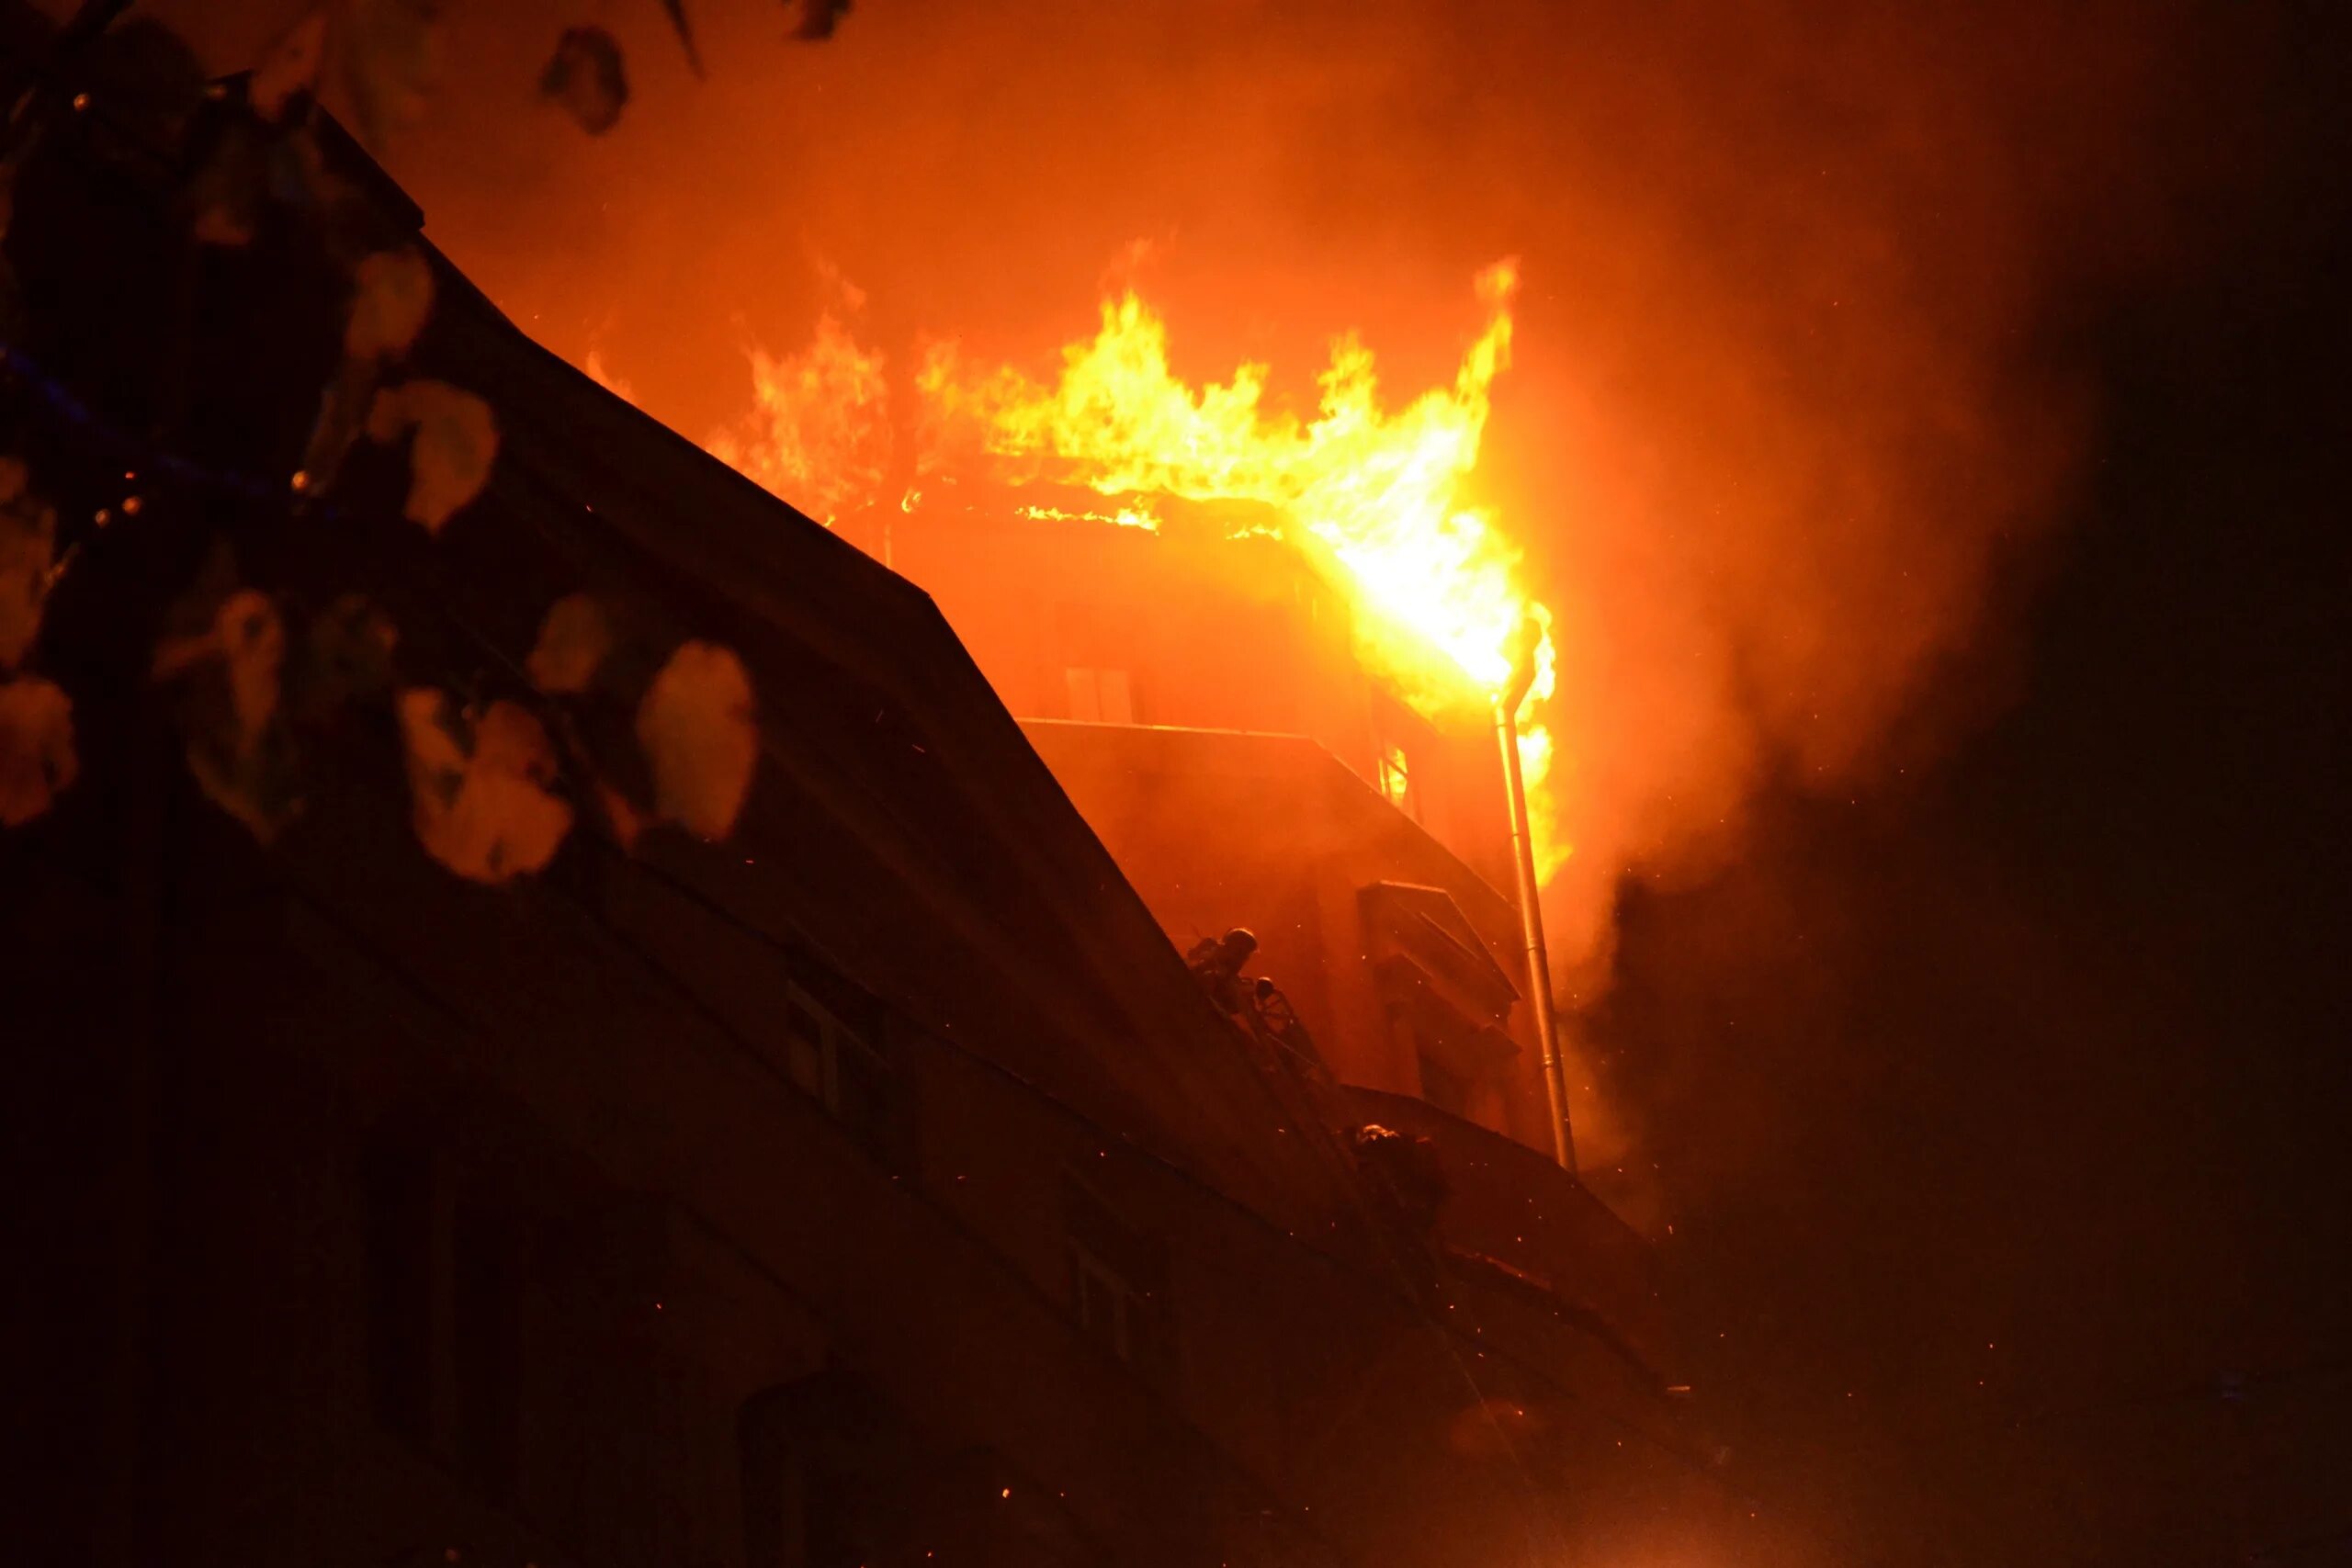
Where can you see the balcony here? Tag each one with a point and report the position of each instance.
(1516, 1221)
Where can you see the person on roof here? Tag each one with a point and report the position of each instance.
(1217, 961)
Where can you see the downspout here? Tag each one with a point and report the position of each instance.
(1531, 904)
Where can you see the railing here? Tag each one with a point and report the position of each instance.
(1513, 1215)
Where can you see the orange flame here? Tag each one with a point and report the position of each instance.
(1126, 517)
(1377, 493)
(817, 433)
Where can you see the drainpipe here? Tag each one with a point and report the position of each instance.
(1530, 906)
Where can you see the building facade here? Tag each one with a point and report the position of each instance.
(1198, 690)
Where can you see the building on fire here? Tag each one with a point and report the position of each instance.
(1197, 689)
(878, 1186)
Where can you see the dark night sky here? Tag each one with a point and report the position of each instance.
(2040, 1073)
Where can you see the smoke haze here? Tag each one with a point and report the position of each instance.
(1768, 425)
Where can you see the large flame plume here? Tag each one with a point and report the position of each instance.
(1377, 496)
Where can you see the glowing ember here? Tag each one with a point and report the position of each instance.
(1375, 493)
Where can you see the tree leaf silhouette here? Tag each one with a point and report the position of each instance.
(479, 787)
(586, 77)
(676, 10)
(388, 56)
(350, 655)
(819, 18)
(699, 729)
(457, 442)
(573, 640)
(391, 296)
(37, 759)
(291, 67)
(239, 749)
(27, 544)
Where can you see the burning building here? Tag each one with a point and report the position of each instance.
(869, 1184)
(1263, 655)
(1199, 692)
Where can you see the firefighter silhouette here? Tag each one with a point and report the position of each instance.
(1218, 962)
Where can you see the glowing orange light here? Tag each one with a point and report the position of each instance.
(1375, 493)
(818, 430)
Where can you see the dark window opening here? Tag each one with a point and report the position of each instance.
(486, 1352)
(805, 1048)
(397, 1213)
(837, 1066)
(1118, 1280)
(443, 1317)
(1440, 1085)
(819, 1459)
(1102, 1304)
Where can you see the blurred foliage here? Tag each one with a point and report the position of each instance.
(260, 663)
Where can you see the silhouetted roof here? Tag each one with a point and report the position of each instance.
(891, 776)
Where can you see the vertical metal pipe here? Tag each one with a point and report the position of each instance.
(1531, 921)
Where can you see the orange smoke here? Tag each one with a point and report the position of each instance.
(1772, 423)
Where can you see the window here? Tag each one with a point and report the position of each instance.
(830, 1063)
(486, 1352)
(1440, 1085)
(444, 1313)
(398, 1202)
(1098, 695)
(807, 1045)
(1103, 1302)
(825, 1465)
(1118, 1280)
(1090, 642)
(1397, 780)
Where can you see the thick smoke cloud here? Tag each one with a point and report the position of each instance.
(1769, 431)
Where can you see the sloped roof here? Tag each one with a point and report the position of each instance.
(891, 774)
